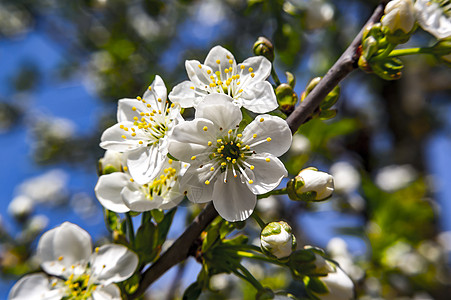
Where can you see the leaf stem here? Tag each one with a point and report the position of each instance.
(282, 191)
(410, 51)
(245, 254)
(130, 229)
(257, 218)
(246, 275)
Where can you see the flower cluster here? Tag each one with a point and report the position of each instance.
(213, 157)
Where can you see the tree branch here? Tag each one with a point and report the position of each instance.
(342, 67)
(179, 251)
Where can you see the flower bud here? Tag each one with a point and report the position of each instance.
(399, 15)
(277, 240)
(286, 98)
(111, 162)
(264, 48)
(311, 185)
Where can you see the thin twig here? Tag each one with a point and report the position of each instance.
(179, 251)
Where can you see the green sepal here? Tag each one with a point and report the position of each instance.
(389, 68)
(112, 220)
(314, 284)
(286, 98)
(330, 99)
(131, 284)
(108, 169)
(158, 215)
(291, 79)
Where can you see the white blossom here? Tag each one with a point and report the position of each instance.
(228, 165)
(313, 181)
(434, 16)
(395, 177)
(66, 253)
(245, 83)
(143, 127)
(339, 286)
(346, 177)
(118, 191)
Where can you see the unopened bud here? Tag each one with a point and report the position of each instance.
(20, 207)
(389, 68)
(264, 48)
(336, 285)
(286, 98)
(277, 239)
(311, 185)
(399, 20)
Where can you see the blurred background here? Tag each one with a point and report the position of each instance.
(64, 65)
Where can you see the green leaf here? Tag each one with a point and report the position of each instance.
(146, 242)
(158, 215)
(164, 225)
(193, 291)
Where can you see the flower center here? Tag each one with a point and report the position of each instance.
(150, 125)
(161, 185)
(79, 288)
(229, 78)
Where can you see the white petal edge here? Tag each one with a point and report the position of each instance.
(108, 191)
(221, 110)
(109, 292)
(259, 98)
(144, 164)
(266, 175)
(34, 286)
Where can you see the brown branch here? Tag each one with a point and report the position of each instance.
(342, 67)
(179, 251)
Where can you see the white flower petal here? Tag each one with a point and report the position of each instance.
(62, 247)
(34, 286)
(432, 19)
(108, 191)
(112, 138)
(261, 67)
(193, 184)
(271, 127)
(198, 76)
(233, 200)
(260, 98)
(173, 199)
(266, 175)
(113, 263)
(339, 284)
(125, 111)
(219, 109)
(190, 139)
(222, 55)
(109, 292)
(158, 90)
(183, 94)
(144, 164)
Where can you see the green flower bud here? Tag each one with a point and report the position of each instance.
(264, 48)
(388, 69)
(277, 240)
(311, 185)
(286, 98)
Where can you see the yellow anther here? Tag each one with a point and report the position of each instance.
(193, 157)
(218, 61)
(141, 142)
(132, 180)
(139, 98)
(238, 145)
(148, 105)
(123, 136)
(233, 161)
(218, 73)
(228, 158)
(126, 128)
(242, 67)
(226, 71)
(251, 181)
(209, 143)
(60, 258)
(135, 118)
(159, 99)
(230, 61)
(239, 135)
(240, 91)
(268, 139)
(212, 169)
(230, 131)
(200, 66)
(170, 161)
(121, 126)
(209, 72)
(219, 82)
(150, 88)
(247, 147)
(134, 108)
(261, 120)
(207, 182)
(212, 85)
(133, 133)
(268, 159)
(205, 128)
(125, 168)
(251, 167)
(192, 87)
(223, 164)
(237, 76)
(219, 141)
(97, 249)
(254, 135)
